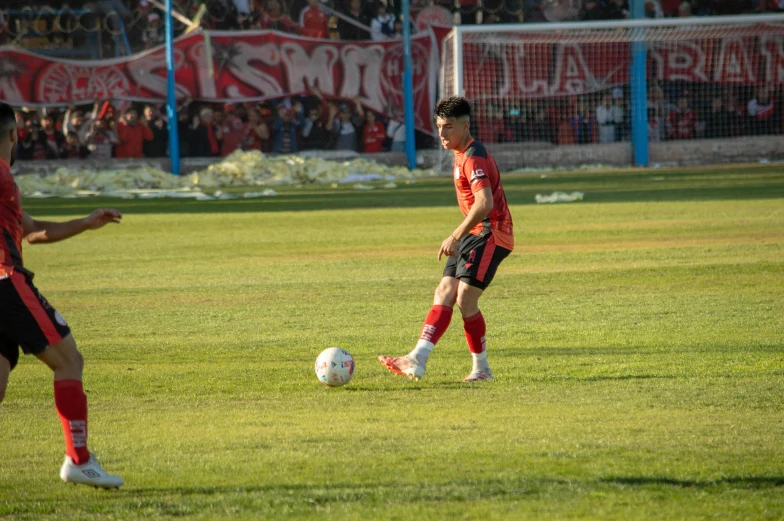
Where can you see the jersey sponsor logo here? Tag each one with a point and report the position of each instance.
(478, 174)
(457, 172)
(59, 318)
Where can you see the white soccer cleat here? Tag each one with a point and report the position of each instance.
(404, 366)
(478, 375)
(90, 473)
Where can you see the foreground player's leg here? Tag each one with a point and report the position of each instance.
(5, 372)
(71, 403)
(436, 323)
(475, 329)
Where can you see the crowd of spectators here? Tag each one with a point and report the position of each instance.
(291, 125)
(207, 130)
(675, 111)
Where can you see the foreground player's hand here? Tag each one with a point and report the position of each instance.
(448, 247)
(101, 217)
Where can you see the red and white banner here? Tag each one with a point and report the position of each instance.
(244, 66)
(532, 66)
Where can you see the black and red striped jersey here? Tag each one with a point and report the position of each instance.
(11, 230)
(475, 169)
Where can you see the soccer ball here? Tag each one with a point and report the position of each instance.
(334, 367)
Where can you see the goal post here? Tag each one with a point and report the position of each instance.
(545, 87)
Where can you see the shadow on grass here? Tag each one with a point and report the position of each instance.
(265, 501)
(752, 482)
(438, 192)
(456, 490)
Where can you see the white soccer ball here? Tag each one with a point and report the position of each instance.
(334, 367)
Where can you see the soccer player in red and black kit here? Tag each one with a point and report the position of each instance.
(29, 321)
(474, 249)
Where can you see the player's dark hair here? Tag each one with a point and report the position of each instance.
(7, 119)
(454, 107)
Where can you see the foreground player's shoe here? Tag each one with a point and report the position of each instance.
(479, 374)
(404, 366)
(90, 473)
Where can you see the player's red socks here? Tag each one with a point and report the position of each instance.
(436, 323)
(71, 404)
(475, 330)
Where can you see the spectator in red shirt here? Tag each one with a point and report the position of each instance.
(132, 134)
(274, 20)
(35, 145)
(670, 7)
(373, 134)
(21, 130)
(232, 131)
(256, 132)
(682, 120)
(314, 21)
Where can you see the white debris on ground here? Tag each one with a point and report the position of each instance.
(559, 197)
(240, 169)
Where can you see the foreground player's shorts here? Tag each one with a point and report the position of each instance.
(477, 260)
(27, 319)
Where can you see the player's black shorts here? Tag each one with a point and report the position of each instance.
(27, 319)
(477, 260)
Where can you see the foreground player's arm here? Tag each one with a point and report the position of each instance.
(483, 204)
(41, 232)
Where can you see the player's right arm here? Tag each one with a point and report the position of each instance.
(42, 232)
(483, 205)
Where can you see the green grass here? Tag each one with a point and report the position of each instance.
(636, 339)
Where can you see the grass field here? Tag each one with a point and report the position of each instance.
(636, 337)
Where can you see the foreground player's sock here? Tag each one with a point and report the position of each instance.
(71, 404)
(475, 330)
(435, 325)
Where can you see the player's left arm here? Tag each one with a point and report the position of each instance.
(483, 205)
(42, 232)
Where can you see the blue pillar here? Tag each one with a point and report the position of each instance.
(639, 87)
(171, 98)
(408, 87)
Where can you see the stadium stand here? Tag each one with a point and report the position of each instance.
(114, 28)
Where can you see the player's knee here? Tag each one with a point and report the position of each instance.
(64, 357)
(77, 361)
(468, 303)
(446, 293)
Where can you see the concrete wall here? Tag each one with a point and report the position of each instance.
(508, 156)
(668, 153)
